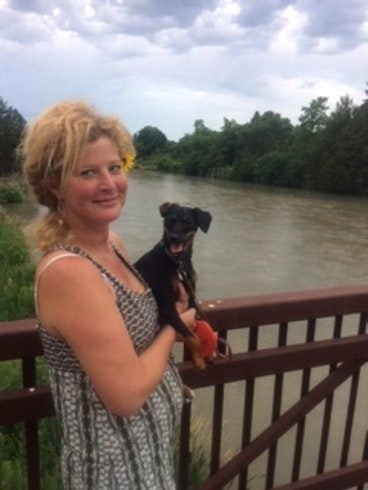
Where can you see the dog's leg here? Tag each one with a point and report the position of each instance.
(188, 394)
(194, 347)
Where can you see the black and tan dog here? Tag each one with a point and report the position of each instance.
(170, 261)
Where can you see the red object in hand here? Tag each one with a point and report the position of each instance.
(207, 338)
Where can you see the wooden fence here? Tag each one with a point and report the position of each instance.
(319, 336)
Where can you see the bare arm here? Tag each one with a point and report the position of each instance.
(78, 305)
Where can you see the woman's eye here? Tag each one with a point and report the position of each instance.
(87, 174)
(115, 169)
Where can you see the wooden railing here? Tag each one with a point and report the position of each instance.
(318, 336)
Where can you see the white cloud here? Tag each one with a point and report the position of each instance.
(89, 11)
(169, 63)
(324, 45)
(288, 37)
(218, 24)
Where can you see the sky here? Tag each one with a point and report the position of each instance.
(167, 63)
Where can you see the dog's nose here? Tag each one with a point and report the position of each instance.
(176, 237)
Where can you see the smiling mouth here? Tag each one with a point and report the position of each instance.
(110, 200)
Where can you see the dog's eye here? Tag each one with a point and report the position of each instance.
(187, 221)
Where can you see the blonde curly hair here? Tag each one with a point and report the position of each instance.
(49, 150)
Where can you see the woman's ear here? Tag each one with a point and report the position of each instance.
(55, 192)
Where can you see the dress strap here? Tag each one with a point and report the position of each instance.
(46, 266)
(55, 258)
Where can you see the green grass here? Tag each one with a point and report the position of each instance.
(199, 458)
(16, 302)
(16, 271)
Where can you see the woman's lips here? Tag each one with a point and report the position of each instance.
(108, 201)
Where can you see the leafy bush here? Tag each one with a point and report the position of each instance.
(165, 163)
(10, 191)
(243, 170)
(162, 162)
(273, 168)
(16, 272)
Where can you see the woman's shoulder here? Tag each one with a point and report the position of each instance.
(63, 264)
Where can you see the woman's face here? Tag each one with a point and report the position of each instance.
(94, 193)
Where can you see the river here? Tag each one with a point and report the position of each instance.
(261, 240)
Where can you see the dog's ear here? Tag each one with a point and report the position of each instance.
(203, 219)
(164, 208)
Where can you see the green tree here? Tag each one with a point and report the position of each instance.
(344, 156)
(266, 133)
(314, 117)
(197, 152)
(229, 142)
(11, 127)
(200, 127)
(148, 141)
(272, 168)
(305, 151)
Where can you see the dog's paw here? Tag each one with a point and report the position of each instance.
(188, 394)
(199, 363)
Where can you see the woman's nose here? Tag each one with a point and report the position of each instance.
(106, 180)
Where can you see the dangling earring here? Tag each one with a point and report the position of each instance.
(59, 211)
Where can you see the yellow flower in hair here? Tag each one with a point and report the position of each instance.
(128, 162)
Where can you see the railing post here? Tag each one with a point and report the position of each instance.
(184, 452)
(31, 429)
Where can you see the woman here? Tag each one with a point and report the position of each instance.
(116, 390)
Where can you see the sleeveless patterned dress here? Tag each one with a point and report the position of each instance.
(101, 451)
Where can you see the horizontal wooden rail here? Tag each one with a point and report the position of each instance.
(277, 360)
(36, 402)
(223, 314)
(351, 475)
(285, 307)
(10, 335)
(25, 404)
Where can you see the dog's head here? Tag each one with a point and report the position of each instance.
(180, 226)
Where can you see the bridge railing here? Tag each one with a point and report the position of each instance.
(318, 336)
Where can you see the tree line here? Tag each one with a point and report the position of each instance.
(11, 127)
(324, 151)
